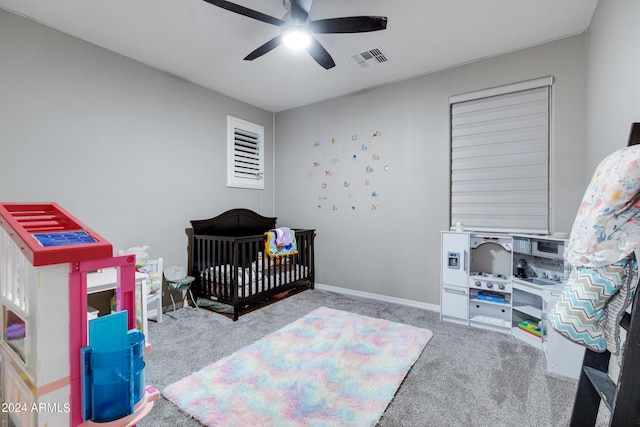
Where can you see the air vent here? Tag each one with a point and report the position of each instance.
(371, 58)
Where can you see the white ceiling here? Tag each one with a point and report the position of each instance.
(206, 45)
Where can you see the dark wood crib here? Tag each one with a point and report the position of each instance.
(227, 257)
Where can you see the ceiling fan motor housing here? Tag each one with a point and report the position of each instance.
(296, 24)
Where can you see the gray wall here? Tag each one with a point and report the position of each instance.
(395, 250)
(136, 153)
(132, 152)
(613, 72)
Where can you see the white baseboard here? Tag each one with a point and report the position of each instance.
(402, 301)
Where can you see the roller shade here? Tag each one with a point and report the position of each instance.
(500, 161)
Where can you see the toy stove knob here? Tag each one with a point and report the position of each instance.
(501, 286)
(489, 285)
(478, 283)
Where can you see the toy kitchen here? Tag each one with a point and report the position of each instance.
(508, 283)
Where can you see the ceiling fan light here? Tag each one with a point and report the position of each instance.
(296, 37)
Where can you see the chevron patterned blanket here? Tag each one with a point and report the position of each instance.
(592, 303)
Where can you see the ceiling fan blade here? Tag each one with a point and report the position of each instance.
(246, 11)
(300, 9)
(320, 54)
(351, 24)
(265, 48)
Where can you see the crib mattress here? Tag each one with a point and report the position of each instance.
(249, 280)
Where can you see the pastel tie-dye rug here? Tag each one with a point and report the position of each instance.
(329, 368)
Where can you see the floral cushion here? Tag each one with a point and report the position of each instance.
(606, 228)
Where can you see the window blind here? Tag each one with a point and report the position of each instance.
(246, 159)
(500, 161)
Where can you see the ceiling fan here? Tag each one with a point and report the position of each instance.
(296, 23)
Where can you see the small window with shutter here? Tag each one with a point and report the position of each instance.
(245, 168)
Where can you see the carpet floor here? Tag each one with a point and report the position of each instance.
(465, 377)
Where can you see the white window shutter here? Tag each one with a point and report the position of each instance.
(245, 154)
(500, 161)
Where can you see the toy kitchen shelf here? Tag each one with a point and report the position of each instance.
(527, 307)
(489, 309)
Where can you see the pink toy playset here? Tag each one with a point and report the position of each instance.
(51, 375)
